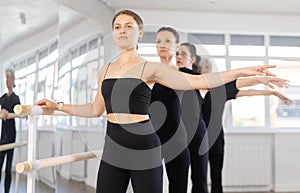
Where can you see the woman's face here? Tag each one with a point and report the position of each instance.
(184, 58)
(9, 82)
(166, 44)
(126, 32)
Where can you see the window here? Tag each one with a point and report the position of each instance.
(246, 45)
(148, 52)
(248, 111)
(86, 58)
(48, 74)
(208, 44)
(147, 48)
(283, 115)
(35, 76)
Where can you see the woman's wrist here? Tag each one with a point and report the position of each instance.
(238, 73)
(59, 106)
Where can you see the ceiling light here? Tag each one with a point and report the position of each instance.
(22, 17)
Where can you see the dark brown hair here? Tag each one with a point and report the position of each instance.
(172, 30)
(135, 16)
(196, 65)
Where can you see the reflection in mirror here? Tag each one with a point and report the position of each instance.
(81, 57)
(29, 45)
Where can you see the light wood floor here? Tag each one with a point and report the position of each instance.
(63, 186)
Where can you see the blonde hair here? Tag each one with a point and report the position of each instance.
(205, 62)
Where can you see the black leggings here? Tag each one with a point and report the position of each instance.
(131, 151)
(216, 159)
(199, 161)
(216, 165)
(176, 155)
(177, 172)
(9, 158)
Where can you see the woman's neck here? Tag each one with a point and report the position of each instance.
(129, 56)
(10, 91)
(190, 67)
(166, 60)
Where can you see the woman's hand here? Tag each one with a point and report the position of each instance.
(5, 114)
(47, 104)
(271, 81)
(256, 70)
(286, 100)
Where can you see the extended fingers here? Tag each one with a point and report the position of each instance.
(267, 72)
(268, 66)
(280, 82)
(287, 101)
(263, 70)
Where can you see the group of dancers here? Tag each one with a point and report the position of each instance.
(158, 112)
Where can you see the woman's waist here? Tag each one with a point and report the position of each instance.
(126, 118)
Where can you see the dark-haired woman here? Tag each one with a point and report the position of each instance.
(165, 115)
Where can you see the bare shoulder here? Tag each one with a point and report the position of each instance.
(102, 72)
(159, 65)
(153, 64)
(104, 67)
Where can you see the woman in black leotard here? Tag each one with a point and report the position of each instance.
(132, 149)
(214, 103)
(165, 117)
(192, 117)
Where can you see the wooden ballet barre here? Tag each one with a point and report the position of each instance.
(55, 161)
(11, 146)
(36, 110)
(13, 116)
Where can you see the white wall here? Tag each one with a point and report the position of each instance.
(223, 22)
(287, 159)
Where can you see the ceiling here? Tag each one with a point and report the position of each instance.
(36, 17)
(285, 7)
(38, 14)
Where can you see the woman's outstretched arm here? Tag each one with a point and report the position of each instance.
(169, 77)
(253, 92)
(269, 81)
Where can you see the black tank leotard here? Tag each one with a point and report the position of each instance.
(131, 151)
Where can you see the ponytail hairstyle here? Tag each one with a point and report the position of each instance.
(196, 64)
